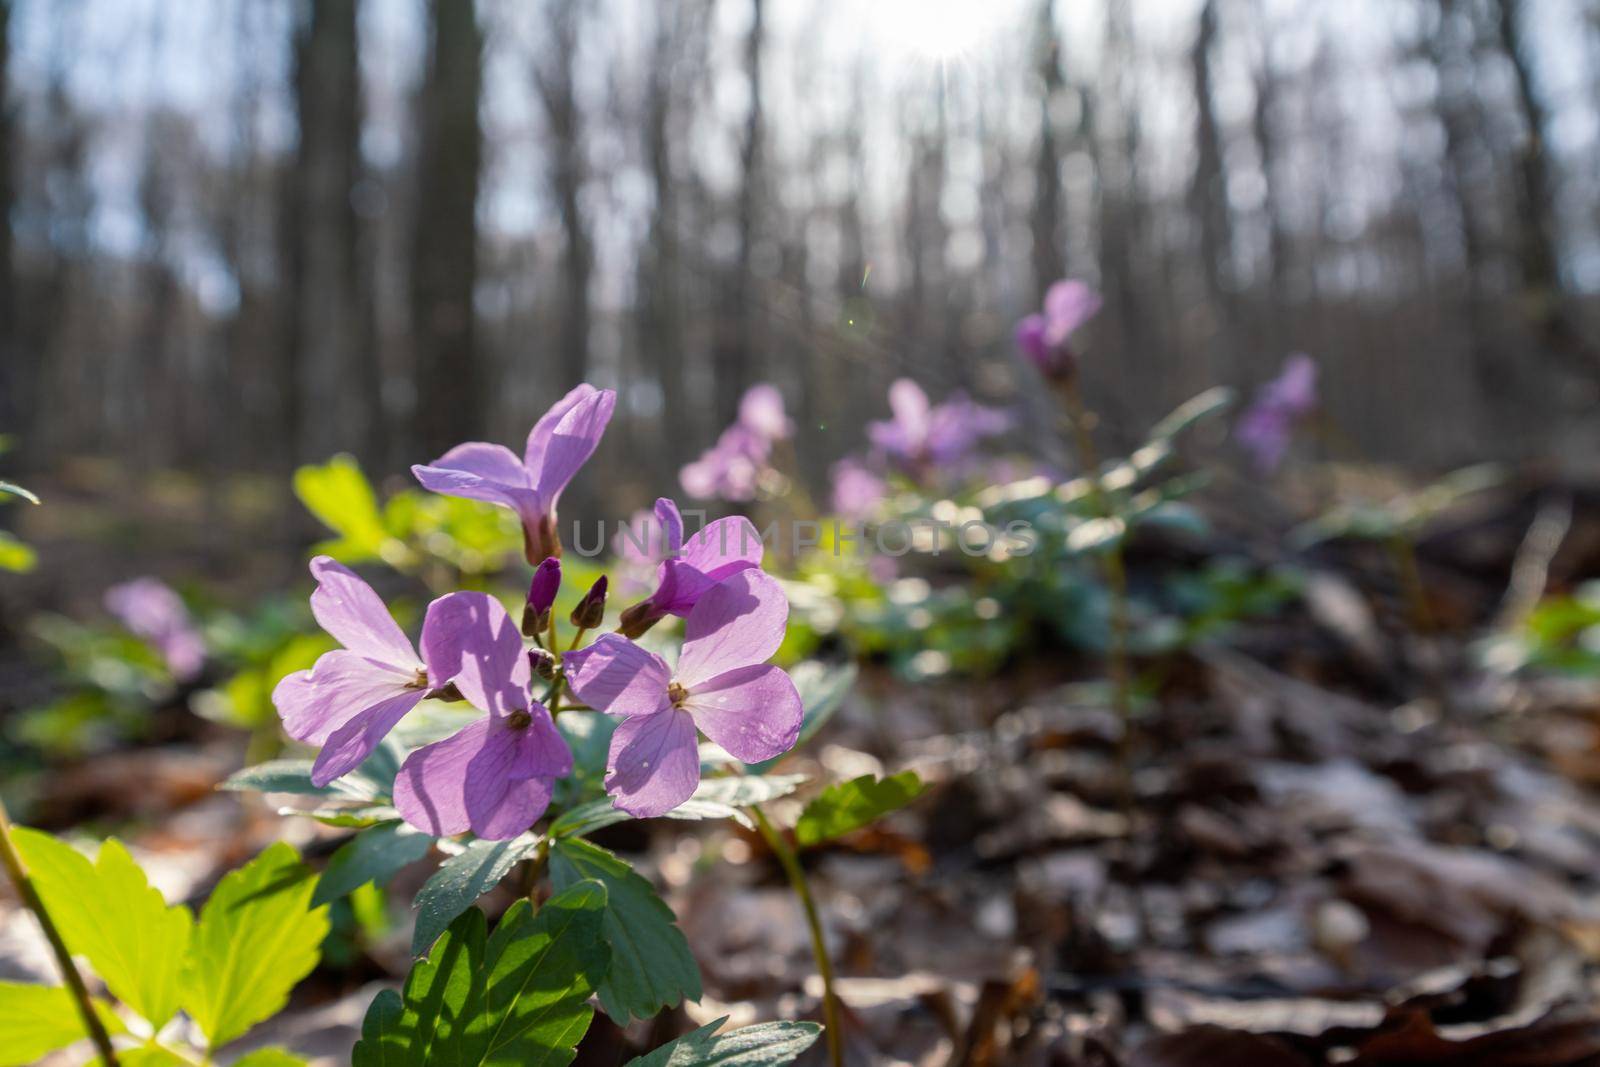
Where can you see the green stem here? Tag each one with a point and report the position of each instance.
(11, 859)
(1116, 574)
(819, 945)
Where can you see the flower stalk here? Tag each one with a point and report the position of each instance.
(17, 871)
(819, 945)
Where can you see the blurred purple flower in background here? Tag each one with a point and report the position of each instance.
(1267, 426)
(734, 467)
(722, 685)
(857, 490)
(495, 775)
(558, 445)
(153, 612)
(1045, 336)
(922, 437)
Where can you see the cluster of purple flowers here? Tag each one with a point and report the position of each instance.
(734, 468)
(1267, 426)
(150, 610)
(496, 775)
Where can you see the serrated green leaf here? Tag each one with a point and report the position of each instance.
(762, 1045)
(462, 879)
(373, 855)
(39, 1019)
(257, 936)
(338, 494)
(108, 913)
(150, 1057)
(294, 776)
(651, 967)
(714, 798)
(848, 806)
(517, 998)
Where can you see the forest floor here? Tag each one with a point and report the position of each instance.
(1343, 846)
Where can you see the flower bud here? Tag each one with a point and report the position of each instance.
(541, 595)
(591, 610)
(639, 618)
(543, 664)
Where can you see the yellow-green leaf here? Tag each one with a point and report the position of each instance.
(340, 495)
(38, 1019)
(851, 805)
(257, 936)
(109, 913)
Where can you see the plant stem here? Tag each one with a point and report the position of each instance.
(819, 945)
(1116, 573)
(18, 873)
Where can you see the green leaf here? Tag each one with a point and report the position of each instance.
(340, 496)
(270, 1057)
(257, 936)
(373, 855)
(462, 879)
(517, 998)
(851, 805)
(13, 489)
(822, 689)
(762, 1045)
(294, 776)
(1213, 401)
(714, 798)
(108, 913)
(651, 967)
(150, 1057)
(16, 556)
(38, 1019)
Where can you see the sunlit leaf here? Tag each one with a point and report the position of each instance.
(462, 879)
(849, 806)
(37, 1019)
(762, 1045)
(338, 494)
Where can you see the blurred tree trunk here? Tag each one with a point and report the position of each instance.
(660, 296)
(733, 355)
(553, 74)
(331, 358)
(1049, 250)
(13, 402)
(450, 391)
(1208, 187)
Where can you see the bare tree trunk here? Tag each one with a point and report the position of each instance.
(12, 401)
(553, 74)
(1049, 232)
(330, 334)
(1208, 193)
(451, 393)
(660, 295)
(733, 352)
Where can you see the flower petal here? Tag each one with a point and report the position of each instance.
(479, 471)
(739, 622)
(724, 547)
(470, 781)
(569, 442)
(469, 639)
(654, 763)
(314, 704)
(753, 712)
(669, 527)
(616, 676)
(347, 608)
(362, 732)
(539, 437)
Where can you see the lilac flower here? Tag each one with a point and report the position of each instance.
(722, 685)
(688, 568)
(353, 696)
(151, 611)
(559, 444)
(733, 468)
(857, 491)
(1267, 426)
(922, 437)
(1045, 337)
(495, 775)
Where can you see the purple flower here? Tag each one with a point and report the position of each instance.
(1045, 337)
(921, 437)
(151, 611)
(733, 468)
(761, 412)
(541, 597)
(1267, 426)
(353, 696)
(857, 491)
(495, 775)
(559, 444)
(722, 685)
(688, 568)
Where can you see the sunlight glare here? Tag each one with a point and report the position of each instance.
(932, 30)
